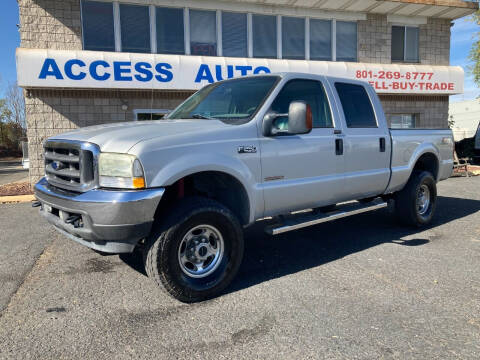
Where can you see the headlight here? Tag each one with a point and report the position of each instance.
(120, 171)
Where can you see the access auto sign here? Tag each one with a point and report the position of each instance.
(112, 70)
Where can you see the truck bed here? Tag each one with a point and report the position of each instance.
(407, 147)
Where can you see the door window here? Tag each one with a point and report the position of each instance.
(310, 91)
(357, 106)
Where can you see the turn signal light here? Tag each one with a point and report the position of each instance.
(138, 182)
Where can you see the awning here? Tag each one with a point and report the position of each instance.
(446, 9)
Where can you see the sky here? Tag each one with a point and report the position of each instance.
(9, 41)
(463, 33)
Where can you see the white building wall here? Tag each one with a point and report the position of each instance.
(465, 116)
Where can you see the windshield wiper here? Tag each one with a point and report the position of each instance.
(200, 116)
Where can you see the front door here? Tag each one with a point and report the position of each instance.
(302, 171)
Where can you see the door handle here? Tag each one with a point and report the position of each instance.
(382, 144)
(338, 146)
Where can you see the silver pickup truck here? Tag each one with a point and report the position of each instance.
(299, 148)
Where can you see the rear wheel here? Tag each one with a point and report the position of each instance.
(415, 203)
(197, 252)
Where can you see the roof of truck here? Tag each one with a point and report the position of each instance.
(293, 75)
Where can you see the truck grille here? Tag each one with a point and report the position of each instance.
(71, 165)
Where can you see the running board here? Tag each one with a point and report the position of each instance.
(300, 220)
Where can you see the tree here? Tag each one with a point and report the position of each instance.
(12, 119)
(475, 52)
(16, 104)
(5, 115)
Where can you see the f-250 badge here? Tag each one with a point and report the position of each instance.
(246, 149)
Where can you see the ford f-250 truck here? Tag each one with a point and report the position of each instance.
(288, 146)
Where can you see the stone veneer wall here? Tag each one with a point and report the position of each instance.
(432, 111)
(51, 112)
(375, 41)
(48, 24)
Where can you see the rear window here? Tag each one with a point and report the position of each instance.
(356, 105)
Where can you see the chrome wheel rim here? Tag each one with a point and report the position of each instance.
(423, 199)
(201, 251)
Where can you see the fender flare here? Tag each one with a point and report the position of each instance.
(424, 148)
(190, 164)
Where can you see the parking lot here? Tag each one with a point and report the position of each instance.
(361, 287)
(11, 171)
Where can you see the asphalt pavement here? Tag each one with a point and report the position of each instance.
(357, 288)
(23, 237)
(12, 171)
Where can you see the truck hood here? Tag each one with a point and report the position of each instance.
(121, 137)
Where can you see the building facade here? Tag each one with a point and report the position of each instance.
(85, 62)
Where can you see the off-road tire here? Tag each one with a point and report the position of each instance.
(161, 249)
(406, 207)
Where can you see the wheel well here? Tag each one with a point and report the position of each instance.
(427, 162)
(215, 185)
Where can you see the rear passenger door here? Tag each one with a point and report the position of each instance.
(366, 140)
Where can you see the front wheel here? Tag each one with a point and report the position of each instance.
(415, 203)
(197, 251)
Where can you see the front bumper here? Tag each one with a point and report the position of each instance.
(112, 221)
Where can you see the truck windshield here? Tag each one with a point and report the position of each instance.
(233, 101)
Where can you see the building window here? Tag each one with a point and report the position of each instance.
(170, 31)
(203, 33)
(124, 27)
(135, 28)
(149, 114)
(234, 34)
(320, 40)
(403, 121)
(356, 104)
(264, 36)
(346, 38)
(98, 29)
(405, 44)
(293, 38)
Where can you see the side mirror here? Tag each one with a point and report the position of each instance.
(300, 120)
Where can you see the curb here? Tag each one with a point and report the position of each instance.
(16, 199)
